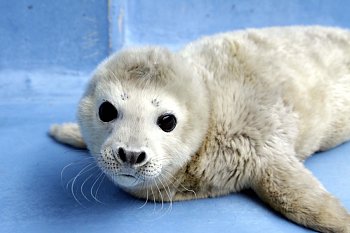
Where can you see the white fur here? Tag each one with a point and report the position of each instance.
(251, 106)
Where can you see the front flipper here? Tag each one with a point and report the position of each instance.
(287, 186)
(68, 133)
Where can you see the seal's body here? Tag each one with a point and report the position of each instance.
(228, 112)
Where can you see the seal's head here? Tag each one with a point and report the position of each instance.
(143, 116)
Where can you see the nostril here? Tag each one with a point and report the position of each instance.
(131, 157)
(121, 154)
(141, 157)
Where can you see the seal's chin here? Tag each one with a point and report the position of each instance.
(127, 180)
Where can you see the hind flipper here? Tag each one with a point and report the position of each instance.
(68, 133)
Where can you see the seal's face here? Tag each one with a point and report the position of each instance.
(143, 116)
(141, 130)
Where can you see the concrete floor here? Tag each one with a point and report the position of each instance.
(47, 51)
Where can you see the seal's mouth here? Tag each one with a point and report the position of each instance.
(127, 180)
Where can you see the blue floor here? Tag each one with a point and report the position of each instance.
(47, 52)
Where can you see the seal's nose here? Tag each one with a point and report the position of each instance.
(131, 157)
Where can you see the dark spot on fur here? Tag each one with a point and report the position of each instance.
(155, 102)
(124, 96)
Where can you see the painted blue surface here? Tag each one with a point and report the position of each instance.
(48, 48)
(36, 34)
(173, 23)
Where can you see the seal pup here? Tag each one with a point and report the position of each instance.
(228, 112)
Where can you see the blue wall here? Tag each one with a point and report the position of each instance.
(76, 35)
(37, 34)
(173, 23)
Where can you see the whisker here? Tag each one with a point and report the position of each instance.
(144, 204)
(76, 177)
(154, 200)
(188, 190)
(73, 163)
(80, 173)
(93, 185)
(161, 196)
(98, 188)
(83, 184)
(168, 194)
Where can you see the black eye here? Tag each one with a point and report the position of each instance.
(107, 112)
(167, 122)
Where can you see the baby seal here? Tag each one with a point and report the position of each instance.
(228, 112)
